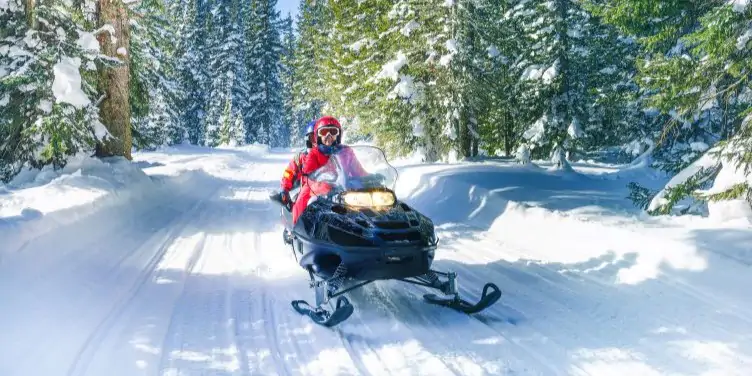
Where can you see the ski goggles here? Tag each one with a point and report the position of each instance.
(325, 131)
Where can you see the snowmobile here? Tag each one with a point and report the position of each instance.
(355, 231)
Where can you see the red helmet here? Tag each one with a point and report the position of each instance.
(328, 122)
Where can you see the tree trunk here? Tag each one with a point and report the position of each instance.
(508, 128)
(115, 109)
(463, 134)
(30, 19)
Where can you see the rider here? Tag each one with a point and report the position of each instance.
(292, 176)
(328, 140)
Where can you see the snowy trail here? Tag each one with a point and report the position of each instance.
(197, 282)
(194, 280)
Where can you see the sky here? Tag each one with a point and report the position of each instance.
(288, 6)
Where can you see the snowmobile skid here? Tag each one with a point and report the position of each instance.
(325, 290)
(357, 232)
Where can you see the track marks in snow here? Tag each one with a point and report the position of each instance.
(73, 285)
(158, 249)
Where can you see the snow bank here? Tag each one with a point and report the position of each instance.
(564, 218)
(708, 160)
(729, 210)
(37, 201)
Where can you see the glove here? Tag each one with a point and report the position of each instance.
(286, 200)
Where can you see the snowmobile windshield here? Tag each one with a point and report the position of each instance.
(359, 171)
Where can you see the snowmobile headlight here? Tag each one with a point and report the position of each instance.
(382, 198)
(369, 199)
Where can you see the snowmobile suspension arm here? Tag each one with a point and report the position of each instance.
(419, 283)
(353, 287)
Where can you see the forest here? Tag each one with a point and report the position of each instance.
(664, 84)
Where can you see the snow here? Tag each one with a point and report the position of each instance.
(391, 69)
(706, 161)
(87, 41)
(9, 5)
(173, 264)
(108, 28)
(417, 127)
(67, 84)
(729, 175)
(536, 130)
(698, 146)
(536, 72)
(45, 106)
(493, 51)
(739, 5)
(355, 47)
(406, 88)
(451, 46)
(409, 28)
(575, 129)
(741, 42)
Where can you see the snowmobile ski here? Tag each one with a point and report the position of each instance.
(487, 299)
(323, 317)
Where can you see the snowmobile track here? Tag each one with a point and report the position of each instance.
(192, 262)
(178, 225)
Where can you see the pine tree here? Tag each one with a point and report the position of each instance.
(192, 58)
(694, 68)
(510, 104)
(154, 95)
(47, 103)
(288, 77)
(220, 71)
(264, 119)
(309, 85)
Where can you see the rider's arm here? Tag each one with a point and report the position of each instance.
(289, 176)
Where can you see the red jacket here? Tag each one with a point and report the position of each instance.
(316, 159)
(293, 172)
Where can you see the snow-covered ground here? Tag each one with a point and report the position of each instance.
(182, 271)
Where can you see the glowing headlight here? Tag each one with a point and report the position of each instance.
(369, 198)
(382, 198)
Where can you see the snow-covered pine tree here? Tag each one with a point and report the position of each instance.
(154, 95)
(310, 50)
(510, 104)
(240, 89)
(264, 122)
(47, 106)
(346, 62)
(220, 71)
(447, 40)
(288, 77)
(696, 68)
(192, 18)
(393, 67)
(610, 114)
(465, 74)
